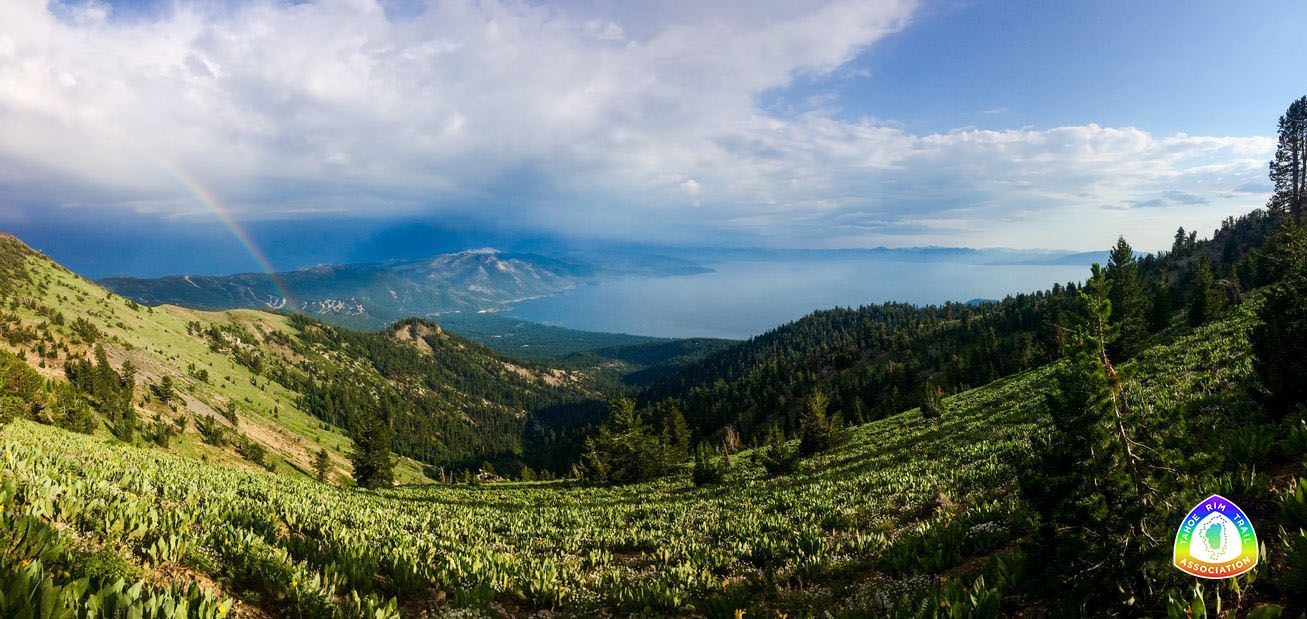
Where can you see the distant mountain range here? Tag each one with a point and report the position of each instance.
(459, 286)
(372, 295)
(968, 255)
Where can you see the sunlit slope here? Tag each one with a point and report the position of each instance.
(159, 343)
(861, 529)
(295, 384)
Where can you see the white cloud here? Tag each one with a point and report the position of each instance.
(606, 121)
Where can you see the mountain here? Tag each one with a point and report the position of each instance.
(965, 255)
(877, 360)
(907, 515)
(372, 295)
(290, 383)
(524, 339)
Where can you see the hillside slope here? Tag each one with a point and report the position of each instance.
(877, 360)
(292, 385)
(894, 521)
(370, 296)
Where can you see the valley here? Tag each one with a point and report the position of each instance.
(837, 309)
(918, 504)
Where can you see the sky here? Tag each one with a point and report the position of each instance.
(149, 137)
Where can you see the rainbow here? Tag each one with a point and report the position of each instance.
(206, 197)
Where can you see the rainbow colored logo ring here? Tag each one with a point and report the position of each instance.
(1216, 540)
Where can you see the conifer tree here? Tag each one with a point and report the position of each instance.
(1178, 248)
(1160, 312)
(321, 462)
(1289, 167)
(373, 464)
(817, 430)
(1201, 294)
(932, 401)
(1279, 341)
(777, 456)
(1127, 297)
(675, 439)
(706, 471)
(623, 450)
(165, 390)
(1081, 482)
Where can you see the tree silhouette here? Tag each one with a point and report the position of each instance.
(1289, 167)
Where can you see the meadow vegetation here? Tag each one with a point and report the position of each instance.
(1032, 456)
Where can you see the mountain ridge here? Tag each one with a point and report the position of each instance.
(287, 383)
(371, 295)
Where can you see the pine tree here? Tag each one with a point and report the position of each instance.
(1178, 247)
(1288, 170)
(1160, 312)
(1080, 481)
(623, 450)
(165, 390)
(706, 471)
(124, 426)
(1279, 340)
(371, 459)
(817, 430)
(675, 439)
(932, 401)
(1201, 295)
(778, 457)
(1127, 297)
(321, 462)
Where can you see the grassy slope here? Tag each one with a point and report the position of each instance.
(157, 342)
(903, 503)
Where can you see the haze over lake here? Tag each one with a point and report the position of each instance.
(743, 298)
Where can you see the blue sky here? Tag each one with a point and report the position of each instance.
(141, 126)
(1211, 68)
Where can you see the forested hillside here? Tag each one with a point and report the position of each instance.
(139, 446)
(270, 387)
(910, 515)
(876, 360)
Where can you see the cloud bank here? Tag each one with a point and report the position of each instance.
(595, 120)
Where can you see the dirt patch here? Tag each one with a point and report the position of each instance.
(553, 377)
(416, 335)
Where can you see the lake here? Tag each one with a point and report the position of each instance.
(743, 298)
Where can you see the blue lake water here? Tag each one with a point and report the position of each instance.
(740, 299)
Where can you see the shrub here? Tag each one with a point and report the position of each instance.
(229, 411)
(706, 470)
(19, 380)
(1294, 444)
(67, 408)
(86, 330)
(1293, 577)
(818, 431)
(253, 451)
(11, 408)
(1249, 446)
(778, 457)
(932, 402)
(161, 432)
(211, 431)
